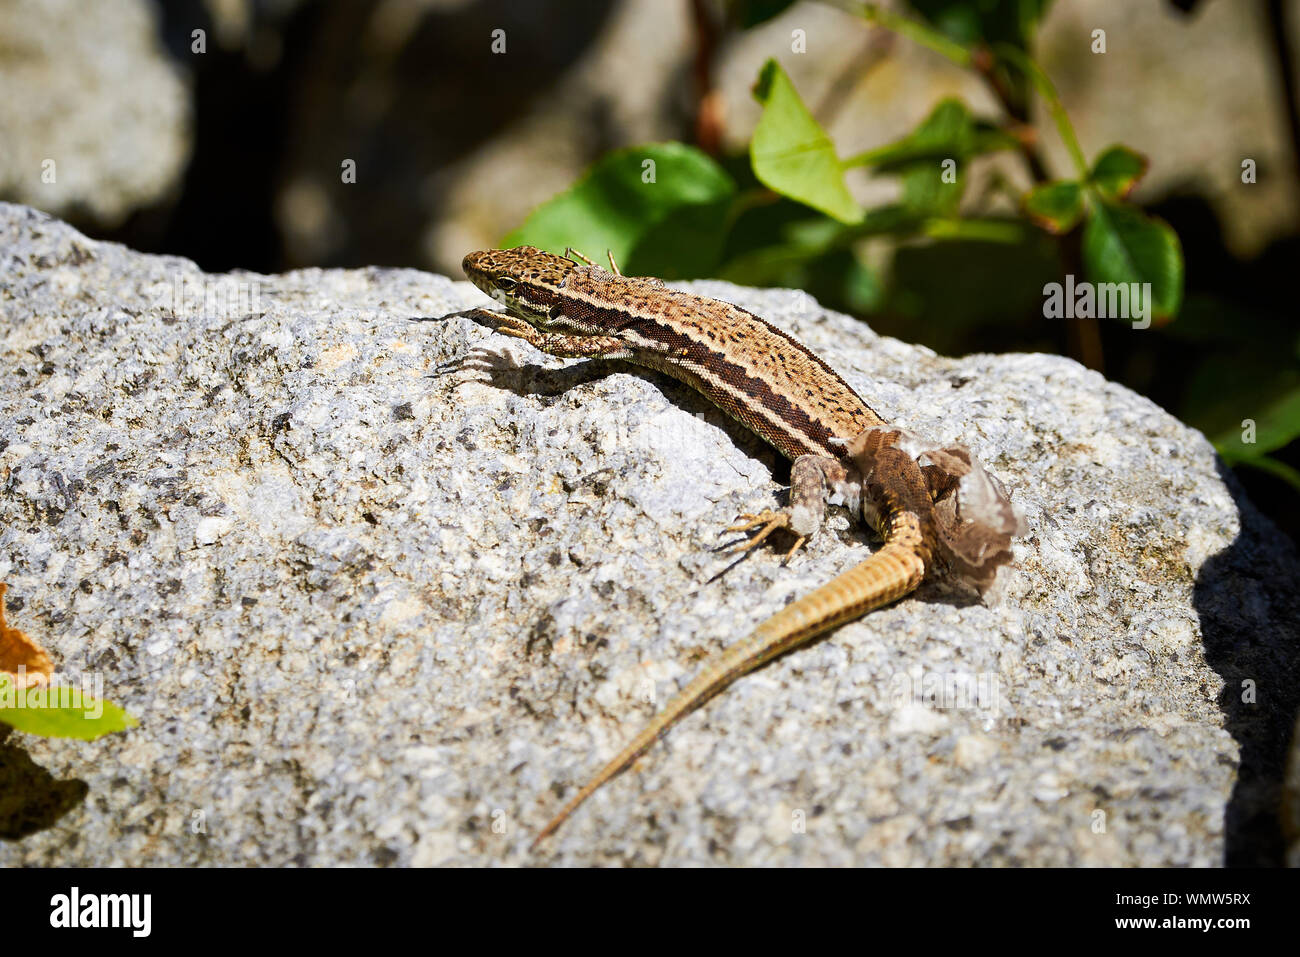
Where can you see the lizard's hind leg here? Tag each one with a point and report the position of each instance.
(812, 479)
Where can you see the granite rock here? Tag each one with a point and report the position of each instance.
(371, 612)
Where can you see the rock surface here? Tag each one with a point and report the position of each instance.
(369, 614)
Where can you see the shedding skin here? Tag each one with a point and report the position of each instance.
(769, 382)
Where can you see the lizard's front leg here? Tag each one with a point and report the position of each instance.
(555, 344)
(814, 479)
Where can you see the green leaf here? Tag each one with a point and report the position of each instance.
(1276, 424)
(59, 711)
(1239, 379)
(1057, 207)
(662, 205)
(1121, 244)
(833, 276)
(982, 25)
(925, 158)
(947, 133)
(986, 21)
(939, 293)
(1117, 171)
(799, 242)
(792, 155)
(925, 190)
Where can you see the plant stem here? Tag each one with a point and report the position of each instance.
(914, 30)
(708, 103)
(867, 157)
(1043, 84)
(1083, 334)
(984, 230)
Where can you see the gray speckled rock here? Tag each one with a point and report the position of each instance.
(367, 614)
(88, 87)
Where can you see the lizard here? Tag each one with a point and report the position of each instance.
(936, 509)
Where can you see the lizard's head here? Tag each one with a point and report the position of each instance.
(523, 279)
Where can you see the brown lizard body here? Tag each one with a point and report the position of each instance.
(841, 449)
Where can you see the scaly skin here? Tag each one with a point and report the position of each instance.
(764, 379)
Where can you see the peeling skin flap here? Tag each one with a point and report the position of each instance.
(975, 520)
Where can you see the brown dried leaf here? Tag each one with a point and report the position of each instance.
(23, 660)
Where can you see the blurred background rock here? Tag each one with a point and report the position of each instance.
(226, 145)
(89, 88)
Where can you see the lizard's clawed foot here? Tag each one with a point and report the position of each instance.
(527, 333)
(748, 520)
(767, 522)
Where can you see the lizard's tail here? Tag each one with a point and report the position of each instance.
(890, 573)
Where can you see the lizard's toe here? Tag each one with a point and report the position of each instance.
(747, 520)
(766, 521)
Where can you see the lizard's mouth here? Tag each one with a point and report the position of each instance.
(472, 265)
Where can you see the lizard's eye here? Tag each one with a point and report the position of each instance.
(506, 284)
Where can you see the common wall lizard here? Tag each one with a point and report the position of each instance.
(936, 508)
